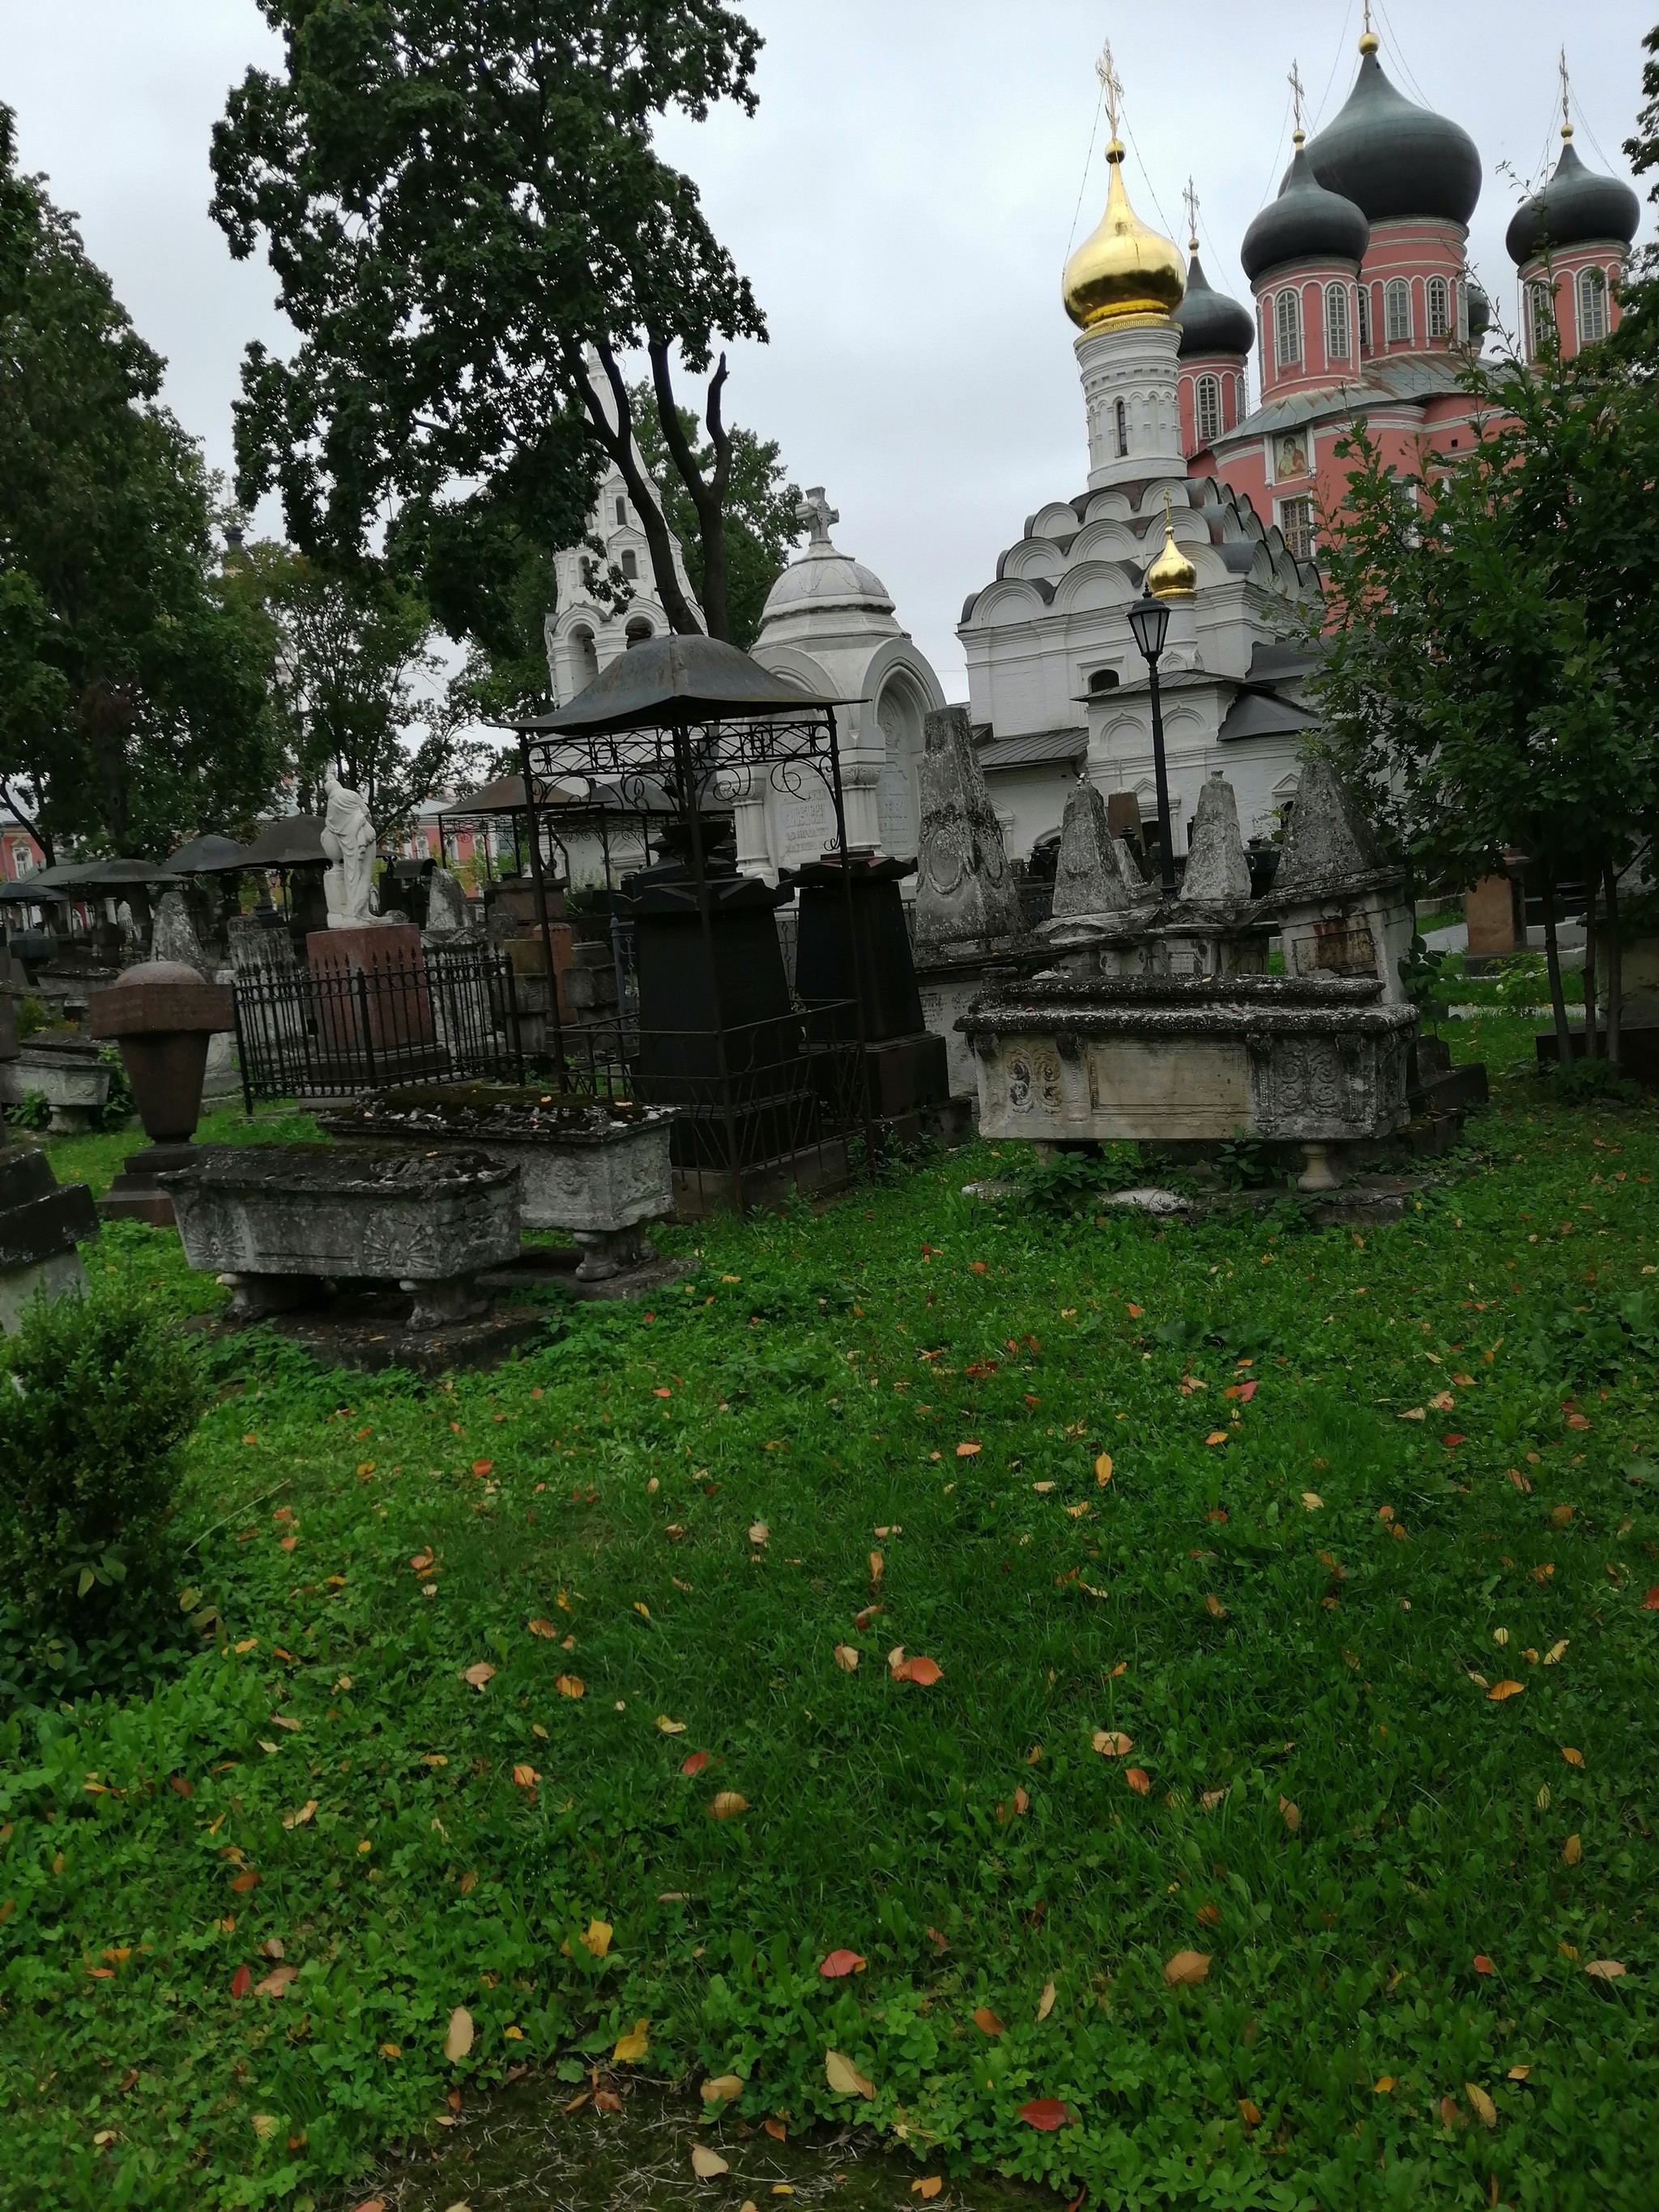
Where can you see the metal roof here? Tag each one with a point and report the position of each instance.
(210, 855)
(292, 841)
(1038, 748)
(666, 680)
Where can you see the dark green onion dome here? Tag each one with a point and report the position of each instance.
(1479, 312)
(1393, 158)
(1575, 208)
(1306, 223)
(1209, 321)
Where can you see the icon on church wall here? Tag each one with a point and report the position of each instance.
(1291, 456)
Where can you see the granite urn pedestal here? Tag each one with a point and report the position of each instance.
(163, 1018)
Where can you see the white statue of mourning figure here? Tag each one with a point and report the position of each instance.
(350, 840)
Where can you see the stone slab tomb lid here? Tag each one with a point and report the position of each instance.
(160, 996)
(1217, 873)
(1329, 845)
(1093, 873)
(966, 895)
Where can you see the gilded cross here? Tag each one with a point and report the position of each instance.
(1111, 85)
(1566, 108)
(1191, 197)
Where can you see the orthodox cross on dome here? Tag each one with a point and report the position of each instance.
(816, 512)
(1299, 94)
(1566, 104)
(1368, 38)
(1190, 196)
(1111, 86)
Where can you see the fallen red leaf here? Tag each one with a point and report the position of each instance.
(922, 1669)
(187, 1788)
(987, 2023)
(695, 1763)
(241, 1981)
(1138, 1780)
(1045, 2113)
(1483, 1964)
(1650, 1602)
(842, 1963)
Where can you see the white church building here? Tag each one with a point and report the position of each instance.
(1056, 686)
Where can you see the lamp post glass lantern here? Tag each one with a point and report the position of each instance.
(1149, 618)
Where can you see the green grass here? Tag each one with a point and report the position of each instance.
(1337, 1813)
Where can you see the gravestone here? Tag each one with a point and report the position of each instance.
(448, 914)
(1218, 874)
(967, 910)
(174, 935)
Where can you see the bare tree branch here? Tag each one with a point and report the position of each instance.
(617, 439)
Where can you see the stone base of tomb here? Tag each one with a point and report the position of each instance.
(646, 1273)
(137, 1196)
(370, 1329)
(814, 1171)
(948, 988)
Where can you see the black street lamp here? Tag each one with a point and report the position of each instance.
(1149, 618)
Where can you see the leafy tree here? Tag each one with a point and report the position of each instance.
(760, 524)
(1493, 676)
(470, 225)
(133, 682)
(357, 684)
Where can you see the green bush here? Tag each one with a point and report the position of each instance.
(31, 1111)
(120, 1106)
(101, 1395)
(1582, 1079)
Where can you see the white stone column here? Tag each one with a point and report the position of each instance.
(745, 790)
(1133, 364)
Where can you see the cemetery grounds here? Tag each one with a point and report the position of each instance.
(1168, 1713)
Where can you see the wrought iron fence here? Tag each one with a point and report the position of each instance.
(441, 1016)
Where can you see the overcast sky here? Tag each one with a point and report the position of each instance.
(904, 203)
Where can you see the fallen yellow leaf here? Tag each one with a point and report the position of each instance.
(264, 2125)
(929, 2185)
(706, 2164)
(847, 1659)
(479, 1673)
(1605, 1969)
(597, 1938)
(722, 2088)
(1185, 1968)
(304, 1814)
(1500, 1690)
(1553, 1656)
(1572, 1850)
(1293, 1814)
(727, 1804)
(1112, 1743)
(1384, 2085)
(670, 1727)
(1519, 2073)
(459, 2041)
(1103, 1467)
(844, 2077)
(1046, 2002)
(1311, 1501)
(632, 2048)
(570, 1686)
(1482, 2102)
(1573, 1758)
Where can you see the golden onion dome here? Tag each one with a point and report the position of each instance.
(1172, 575)
(1122, 269)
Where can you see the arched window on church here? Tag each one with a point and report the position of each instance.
(1439, 298)
(1287, 327)
(1207, 409)
(639, 632)
(584, 661)
(1592, 306)
(1541, 318)
(1364, 298)
(1103, 679)
(1336, 322)
(1397, 311)
(1122, 431)
(630, 565)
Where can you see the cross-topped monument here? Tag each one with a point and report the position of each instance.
(816, 512)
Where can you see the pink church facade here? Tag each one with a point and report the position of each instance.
(1365, 305)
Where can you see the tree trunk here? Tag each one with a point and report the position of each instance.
(1590, 1051)
(707, 492)
(43, 838)
(617, 439)
(1553, 959)
(1615, 965)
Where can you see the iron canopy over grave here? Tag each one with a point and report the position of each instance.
(697, 720)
